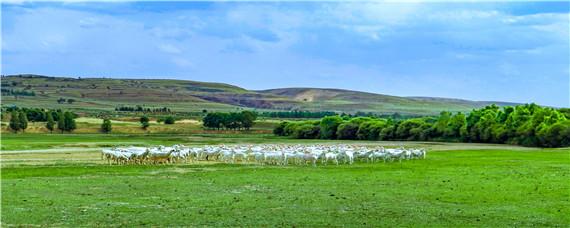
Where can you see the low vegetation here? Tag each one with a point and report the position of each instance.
(527, 125)
(297, 114)
(232, 120)
(140, 108)
(106, 126)
(12, 92)
(454, 186)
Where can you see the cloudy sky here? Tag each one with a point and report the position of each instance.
(480, 51)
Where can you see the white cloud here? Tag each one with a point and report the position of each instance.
(380, 47)
(169, 48)
(181, 62)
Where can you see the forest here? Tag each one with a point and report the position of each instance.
(526, 125)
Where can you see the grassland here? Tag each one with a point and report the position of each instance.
(63, 182)
(91, 126)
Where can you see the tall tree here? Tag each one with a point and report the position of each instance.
(69, 121)
(144, 122)
(457, 127)
(61, 121)
(50, 124)
(23, 120)
(15, 121)
(442, 122)
(248, 119)
(329, 126)
(106, 126)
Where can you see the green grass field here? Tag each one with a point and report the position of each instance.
(64, 182)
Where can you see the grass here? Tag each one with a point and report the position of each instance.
(131, 126)
(24, 142)
(450, 188)
(60, 180)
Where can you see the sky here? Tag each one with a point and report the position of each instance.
(517, 52)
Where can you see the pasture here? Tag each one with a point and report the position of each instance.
(61, 180)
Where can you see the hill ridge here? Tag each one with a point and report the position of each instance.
(104, 94)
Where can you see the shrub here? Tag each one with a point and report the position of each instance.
(169, 120)
(347, 130)
(329, 126)
(106, 126)
(306, 131)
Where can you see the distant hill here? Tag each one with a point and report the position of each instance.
(99, 94)
(347, 100)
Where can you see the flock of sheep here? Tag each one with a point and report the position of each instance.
(260, 154)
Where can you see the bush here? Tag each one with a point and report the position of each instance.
(280, 129)
(387, 133)
(169, 120)
(329, 126)
(347, 130)
(306, 131)
(370, 130)
(106, 126)
(144, 122)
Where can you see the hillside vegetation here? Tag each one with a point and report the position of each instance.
(103, 94)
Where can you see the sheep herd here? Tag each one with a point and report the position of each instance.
(268, 154)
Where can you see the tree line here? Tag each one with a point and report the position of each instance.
(526, 125)
(36, 114)
(9, 92)
(60, 120)
(107, 127)
(321, 114)
(232, 120)
(297, 114)
(139, 108)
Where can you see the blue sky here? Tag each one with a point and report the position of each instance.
(515, 52)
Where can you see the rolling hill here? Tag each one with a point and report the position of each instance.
(104, 94)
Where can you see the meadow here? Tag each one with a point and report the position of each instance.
(60, 180)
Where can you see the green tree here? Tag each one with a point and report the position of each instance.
(527, 125)
(442, 122)
(387, 133)
(306, 131)
(50, 124)
(280, 129)
(232, 120)
(556, 135)
(370, 130)
(106, 126)
(169, 120)
(61, 121)
(329, 125)
(23, 120)
(69, 120)
(15, 121)
(404, 130)
(291, 128)
(347, 130)
(248, 119)
(212, 120)
(457, 127)
(144, 122)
